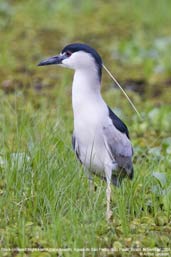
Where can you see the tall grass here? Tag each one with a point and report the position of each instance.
(45, 199)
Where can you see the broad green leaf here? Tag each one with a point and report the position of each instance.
(161, 178)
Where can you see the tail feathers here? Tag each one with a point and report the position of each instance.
(128, 170)
(131, 174)
(116, 180)
(119, 176)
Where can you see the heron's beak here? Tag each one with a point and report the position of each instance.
(52, 60)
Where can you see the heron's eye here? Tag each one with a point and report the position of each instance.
(68, 53)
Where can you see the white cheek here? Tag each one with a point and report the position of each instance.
(67, 63)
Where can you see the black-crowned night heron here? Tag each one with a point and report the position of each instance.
(100, 139)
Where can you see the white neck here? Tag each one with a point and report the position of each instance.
(85, 88)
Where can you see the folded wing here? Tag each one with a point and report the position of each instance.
(118, 143)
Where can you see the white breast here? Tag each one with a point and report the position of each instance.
(90, 115)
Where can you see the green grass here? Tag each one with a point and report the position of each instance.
(45, 195)
(45, 199)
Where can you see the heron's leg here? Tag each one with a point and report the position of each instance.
(90, 178)
(108, 194)
(91, 183)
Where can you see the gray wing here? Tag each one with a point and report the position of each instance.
(119, 146)
(75, 147)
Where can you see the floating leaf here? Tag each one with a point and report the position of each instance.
(156, 151)
(161, 178)
(155, 189)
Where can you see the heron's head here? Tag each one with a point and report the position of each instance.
(76, 56)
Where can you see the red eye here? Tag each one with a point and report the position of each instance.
(68, 53)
